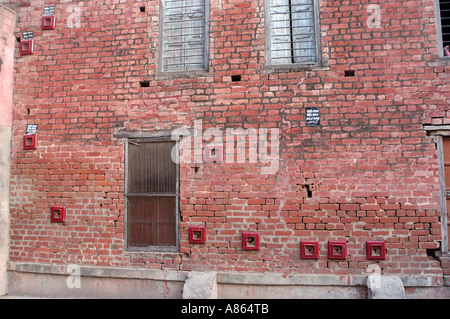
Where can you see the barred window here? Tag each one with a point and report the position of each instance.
(152, 196)
(292, 32)
(185, 35)
(443, 22)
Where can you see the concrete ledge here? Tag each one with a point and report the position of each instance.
(105, 272)
(106, 282)
(271, 279)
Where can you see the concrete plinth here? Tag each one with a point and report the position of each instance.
(385, 287)
(200, 285)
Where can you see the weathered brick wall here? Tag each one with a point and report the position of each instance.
(368, 172)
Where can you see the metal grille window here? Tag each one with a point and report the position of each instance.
(446, 164)
(152, 196)
(443, 25)
(185, 35)
(293, 28)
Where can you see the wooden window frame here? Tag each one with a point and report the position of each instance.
(439, 37)
(161, 40)
(297, 65)
(143, 138)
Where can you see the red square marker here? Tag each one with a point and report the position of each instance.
(58, 214)
(197, 235)
(48, 22)
(26, 47)
(30, 142)
(250, 241)
(337, 250)
(309, 249)
(376, 250)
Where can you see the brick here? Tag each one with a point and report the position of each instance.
(370, 168)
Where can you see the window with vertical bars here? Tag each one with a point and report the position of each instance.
(184, 35)
(444, 7)
(292, 30)
(152, 195)
(446, 158)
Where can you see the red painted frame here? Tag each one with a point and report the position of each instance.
(62, 214)
(376, 244)
(50, 26)
(337, 245)
(305, 246)
(247, 239)
(30, 142)
(197, 235)
(29, 49)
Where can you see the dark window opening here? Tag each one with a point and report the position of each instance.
(444, 6)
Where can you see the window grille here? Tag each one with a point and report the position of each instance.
(444, 7)
(184, 35)
(292, 32)
(152, 195)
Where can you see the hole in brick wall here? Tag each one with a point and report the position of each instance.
(28, 111)
(18, 39)
(47, 22)
(29, 141)
(236, 78)
(57, 214)
(251, 241)
(435, 253)
(142, 9)
(196, 235)
(196, 168)
(337, 250)
(376, 251)
(350, 73)
(308, 191)
(144, 84)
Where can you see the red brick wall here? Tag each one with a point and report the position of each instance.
(370, 166)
